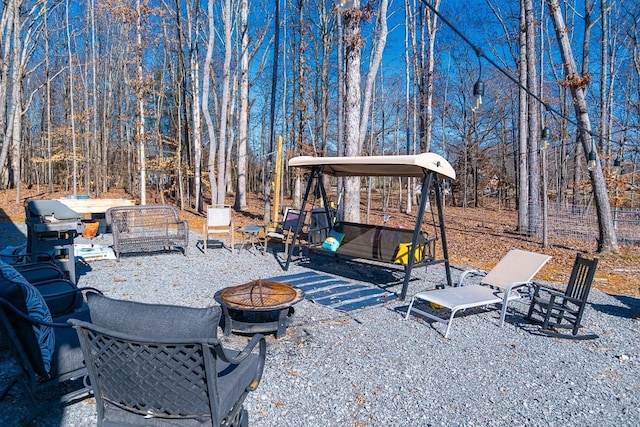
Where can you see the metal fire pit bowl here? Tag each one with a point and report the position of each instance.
(258, 306)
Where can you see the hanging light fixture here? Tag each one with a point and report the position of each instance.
(478, 86)
(343, 5)
(478, 92)
(546, 135)
(617, 163)
(591, 163)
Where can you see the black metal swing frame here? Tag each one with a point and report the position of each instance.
(430, 177)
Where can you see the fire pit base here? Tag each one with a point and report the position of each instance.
(253, 322)
(258, 306)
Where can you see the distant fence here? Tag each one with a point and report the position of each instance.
(581, 223)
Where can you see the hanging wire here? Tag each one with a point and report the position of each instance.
(481, 54)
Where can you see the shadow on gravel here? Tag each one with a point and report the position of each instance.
(444, 313)
(630, 308)
(10, 235)
(353, 270)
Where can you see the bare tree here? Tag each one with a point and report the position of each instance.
(352, 45)
(432, 27)
(243, 114)
(376, 58)
(227, 20)
(523, 166)
(193, 25)
(355, 119)
(607, 240)
(141, 137)
(533, 121)
(206, 91)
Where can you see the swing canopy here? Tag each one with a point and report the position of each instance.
(426, 166)
(401, 166)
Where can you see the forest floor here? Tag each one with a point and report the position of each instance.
(477, 237)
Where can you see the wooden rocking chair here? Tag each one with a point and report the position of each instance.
(558, 310)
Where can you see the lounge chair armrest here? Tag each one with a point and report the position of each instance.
(548, 289)
(30, 319)
(514, 285)
(562, 301)
(466, 273)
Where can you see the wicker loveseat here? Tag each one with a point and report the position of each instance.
(147, 228)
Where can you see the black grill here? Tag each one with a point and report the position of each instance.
(51, 229)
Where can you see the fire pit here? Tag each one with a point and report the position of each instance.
(258, 306)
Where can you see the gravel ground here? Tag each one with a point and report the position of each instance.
(373, 368)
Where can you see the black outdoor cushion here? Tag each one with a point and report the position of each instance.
(38, 341)
(67, 356)
(154, 321)
(39, 271)
(12, 292)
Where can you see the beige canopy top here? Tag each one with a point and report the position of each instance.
(404, 165)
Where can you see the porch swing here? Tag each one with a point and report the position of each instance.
(374, 243)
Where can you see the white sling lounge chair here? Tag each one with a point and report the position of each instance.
(516, 269)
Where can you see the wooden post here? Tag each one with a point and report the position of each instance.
(278, 179)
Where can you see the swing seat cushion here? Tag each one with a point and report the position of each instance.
(379, 243)
(402, 253)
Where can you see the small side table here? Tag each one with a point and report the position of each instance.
(251, 237)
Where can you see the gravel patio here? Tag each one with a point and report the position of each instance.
(371, 367)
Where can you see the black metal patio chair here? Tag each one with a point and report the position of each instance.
(45, 348)
(162, 365)
(559, 310)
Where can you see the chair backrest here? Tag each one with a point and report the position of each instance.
(291, 218)
(517, 266)
(147, 377)
(218, 216)
(581, 278)
(151, 359)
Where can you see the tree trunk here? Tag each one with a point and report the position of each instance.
(607, 241)
(140, 100)
(432, 27)
(194, 77)
(408, 25)
(206, 90)
(243, 114)
(71, 104)
(523, 181)
(353, 45)
(6, 28)
(227, 20)
(378, 49)
(533, 120)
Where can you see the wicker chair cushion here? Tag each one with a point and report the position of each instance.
(154, 321)
(34, 305)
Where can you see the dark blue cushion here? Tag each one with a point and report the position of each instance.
(36, 307)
